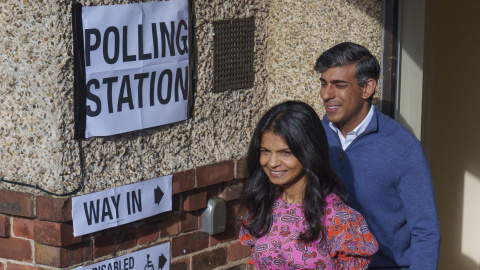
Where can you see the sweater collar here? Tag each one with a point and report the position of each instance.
(371, 127)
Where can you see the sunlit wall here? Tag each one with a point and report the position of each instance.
(452, 124)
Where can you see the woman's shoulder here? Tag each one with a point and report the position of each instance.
(345, 225)
(334, 207)
(337, 211)
(332, 198)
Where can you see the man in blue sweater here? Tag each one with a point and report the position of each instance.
(382, 165)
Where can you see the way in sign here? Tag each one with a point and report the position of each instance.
(120, 205)
(100, 209)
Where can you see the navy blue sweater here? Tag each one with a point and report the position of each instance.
(388, 180)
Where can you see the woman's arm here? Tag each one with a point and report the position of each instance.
(351, 242)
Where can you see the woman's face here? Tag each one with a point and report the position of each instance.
(278, 162)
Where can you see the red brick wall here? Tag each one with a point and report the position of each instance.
(36, 232)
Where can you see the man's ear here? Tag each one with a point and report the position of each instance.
(369, 88)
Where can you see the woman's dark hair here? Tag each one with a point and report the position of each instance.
(348, 53)
(301, 128)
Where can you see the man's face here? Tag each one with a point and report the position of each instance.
(346, 103)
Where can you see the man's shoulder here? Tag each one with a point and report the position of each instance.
(391, 136)
(387, 126)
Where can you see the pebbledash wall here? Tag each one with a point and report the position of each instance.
(205, 154)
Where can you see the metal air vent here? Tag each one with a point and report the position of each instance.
(233, 54)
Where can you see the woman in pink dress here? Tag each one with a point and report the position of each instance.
(296, 214)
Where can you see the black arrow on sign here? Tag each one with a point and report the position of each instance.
(158, 194)
(161, 261)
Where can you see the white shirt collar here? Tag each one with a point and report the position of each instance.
(355, 132)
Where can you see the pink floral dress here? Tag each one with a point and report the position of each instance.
(349, 243)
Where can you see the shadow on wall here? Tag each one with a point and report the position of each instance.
(451, 127)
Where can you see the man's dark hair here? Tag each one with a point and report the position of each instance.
(348, 53)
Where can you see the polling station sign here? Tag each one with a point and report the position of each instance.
(121, 205)
(154, 258)
(132, 66)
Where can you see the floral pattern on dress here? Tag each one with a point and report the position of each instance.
(348, 244)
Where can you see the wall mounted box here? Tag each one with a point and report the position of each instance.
(214, 217)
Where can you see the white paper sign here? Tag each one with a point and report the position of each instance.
(113, 207)
(136, 66)
(154, 258)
